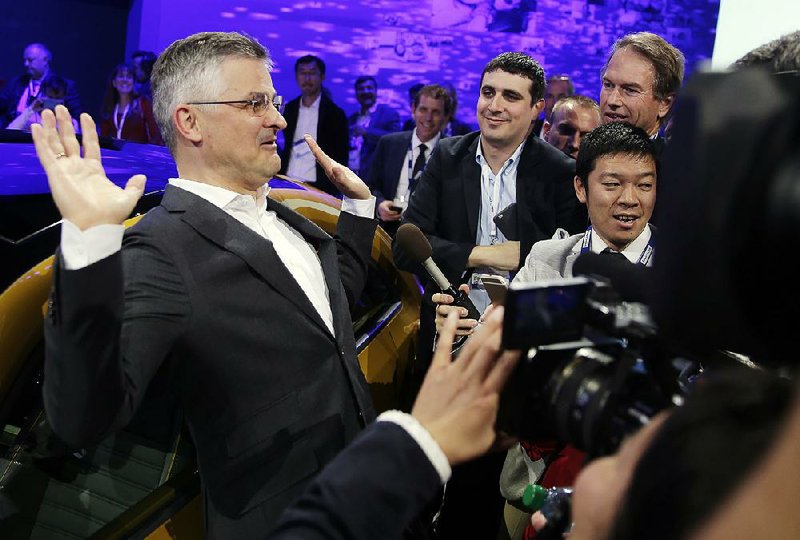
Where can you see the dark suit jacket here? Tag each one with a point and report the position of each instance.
(11, 92)
(446, 206)
(372, 490)
(382, 121)
(268, 393)
(387, 163)
(333, 137)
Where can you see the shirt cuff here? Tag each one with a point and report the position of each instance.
(84, 248)
(359, 207)
(423, 438)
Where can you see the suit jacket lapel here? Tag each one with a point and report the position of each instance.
(471, 180)
(328, 258)
(229, 234)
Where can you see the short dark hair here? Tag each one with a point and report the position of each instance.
(521, 64)
(308, 59)
(612, 139)
(54, 83)
(668, 62)
(144, 55)
(413, 89)
(365, 78)
(702, 452)
(436, 92)
(778, 55)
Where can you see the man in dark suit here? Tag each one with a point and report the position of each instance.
(371, 122)
(401, 157)
(313, 112)
(242, 304)
(467, 183)
(21, 91)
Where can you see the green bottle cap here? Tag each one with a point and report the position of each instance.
(534, 496)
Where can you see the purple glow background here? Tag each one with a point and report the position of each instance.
(405, 41)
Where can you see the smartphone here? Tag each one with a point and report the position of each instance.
(496, 287)
(50, 103)
(545, 312)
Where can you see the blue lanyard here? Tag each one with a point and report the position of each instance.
(644, 258)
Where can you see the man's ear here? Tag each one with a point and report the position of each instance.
(538, 107)
(187, 123)
(664, 105)
(580, 190)
(545, 130)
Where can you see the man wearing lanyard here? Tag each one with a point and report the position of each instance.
(400, 157)
(466, 183)
(313, 113)
(615, 178)
(20, 92)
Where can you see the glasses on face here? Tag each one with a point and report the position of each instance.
(257, 104)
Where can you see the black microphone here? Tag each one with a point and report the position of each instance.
(419, 250)
(631, 281)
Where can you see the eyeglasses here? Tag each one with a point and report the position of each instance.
(258, 103)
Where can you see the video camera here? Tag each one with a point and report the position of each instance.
(595, 370)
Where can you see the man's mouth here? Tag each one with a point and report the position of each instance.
(626, 219)
(615, 117)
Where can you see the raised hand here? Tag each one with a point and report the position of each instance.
(343, 178)
(81, 190)
(459, 398)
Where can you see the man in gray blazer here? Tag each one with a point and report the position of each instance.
(239, 303)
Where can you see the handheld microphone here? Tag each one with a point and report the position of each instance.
(417, 247)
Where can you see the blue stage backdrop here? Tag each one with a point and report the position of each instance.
(402, 42)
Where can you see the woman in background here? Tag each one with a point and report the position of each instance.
(125, 114)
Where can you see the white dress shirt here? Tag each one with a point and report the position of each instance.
(302, 164)
(411, 158)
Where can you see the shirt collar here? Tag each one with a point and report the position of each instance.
(512, 161)
(415, 142)
(221, 197)
(632, 251)
(314, 105)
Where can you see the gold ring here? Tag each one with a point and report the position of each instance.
(60, 155)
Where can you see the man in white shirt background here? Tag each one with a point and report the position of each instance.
(313, 113)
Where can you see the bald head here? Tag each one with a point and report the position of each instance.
(37, 60)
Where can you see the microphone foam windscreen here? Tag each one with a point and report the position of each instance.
(413, 242)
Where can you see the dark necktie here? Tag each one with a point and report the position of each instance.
(615, 254)
(419, 164)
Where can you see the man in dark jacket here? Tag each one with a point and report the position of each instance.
(314, 113)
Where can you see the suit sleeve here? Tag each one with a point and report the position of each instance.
(373, 489)
(424, 211)
(109, 328)
(375, 181)
(388, 124)
(340, 136)
(354, 243)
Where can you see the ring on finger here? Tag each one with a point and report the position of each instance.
(60, 155)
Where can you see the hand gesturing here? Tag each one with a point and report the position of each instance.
(343, 178)
(81, 190)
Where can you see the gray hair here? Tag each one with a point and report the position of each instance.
(188, 70)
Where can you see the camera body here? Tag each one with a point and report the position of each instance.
(595, 369)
